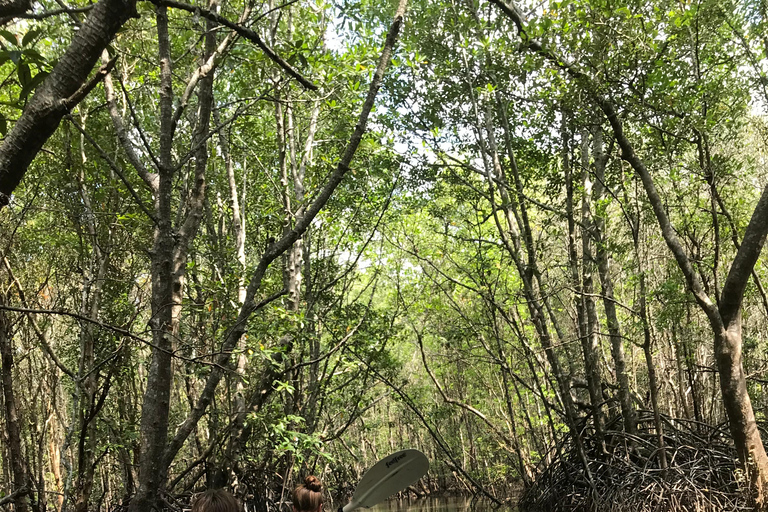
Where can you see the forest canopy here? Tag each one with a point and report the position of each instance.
(243, 242)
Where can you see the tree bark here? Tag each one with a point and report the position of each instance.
(154, 412)
(60, 91)
(14, 7)
(600, 159)
(12, 425)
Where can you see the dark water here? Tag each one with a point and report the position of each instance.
(452, 504)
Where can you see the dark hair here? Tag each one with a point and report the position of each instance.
(216, 500)
(308, 496)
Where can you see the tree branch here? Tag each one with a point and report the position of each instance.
(458, 403)
(39, 332)
(744, 262)
(11, 498)
(116, 169)
(59, 92)
(207, 67)
(119, 330)
(151, 179)
(243, 32)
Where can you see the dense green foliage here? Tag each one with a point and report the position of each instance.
(454, 294)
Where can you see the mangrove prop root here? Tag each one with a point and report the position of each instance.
(703, 472)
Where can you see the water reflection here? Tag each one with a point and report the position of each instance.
(449, 504)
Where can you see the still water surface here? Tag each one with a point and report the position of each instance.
(452, 504)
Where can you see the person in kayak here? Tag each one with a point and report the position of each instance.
(308, 497)
(216, 500)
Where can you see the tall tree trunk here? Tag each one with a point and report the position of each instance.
(291, 268)
(600, 158)
(156, 406)
(169, 261)
(583, 285)
(12, 424)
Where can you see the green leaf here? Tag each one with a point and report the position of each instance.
(30, 36)
(25, 75)
(15, 56)
(9, 37)
(32, 85)
(33, 55)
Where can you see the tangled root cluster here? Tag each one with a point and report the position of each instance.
(702, 474)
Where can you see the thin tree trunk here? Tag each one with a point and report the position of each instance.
(12, 425)
(87, 382)
(525, 466)
(681, 378)
(653, 383)
(239, 233)
(600, 159)
(583, 299)
(154, 412)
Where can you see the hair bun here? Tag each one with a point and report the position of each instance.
(313, 484)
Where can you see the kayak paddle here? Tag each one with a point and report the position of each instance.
(389, 475)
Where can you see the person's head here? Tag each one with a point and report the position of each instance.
(308, 497)
(216, 500)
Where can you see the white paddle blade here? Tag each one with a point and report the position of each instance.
(387, 477)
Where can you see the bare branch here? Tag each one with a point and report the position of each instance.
(243, 32)
(151, 179)
(39, 332)
(62, 312)
(116, 169)
(209, 66)
(11, 498)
